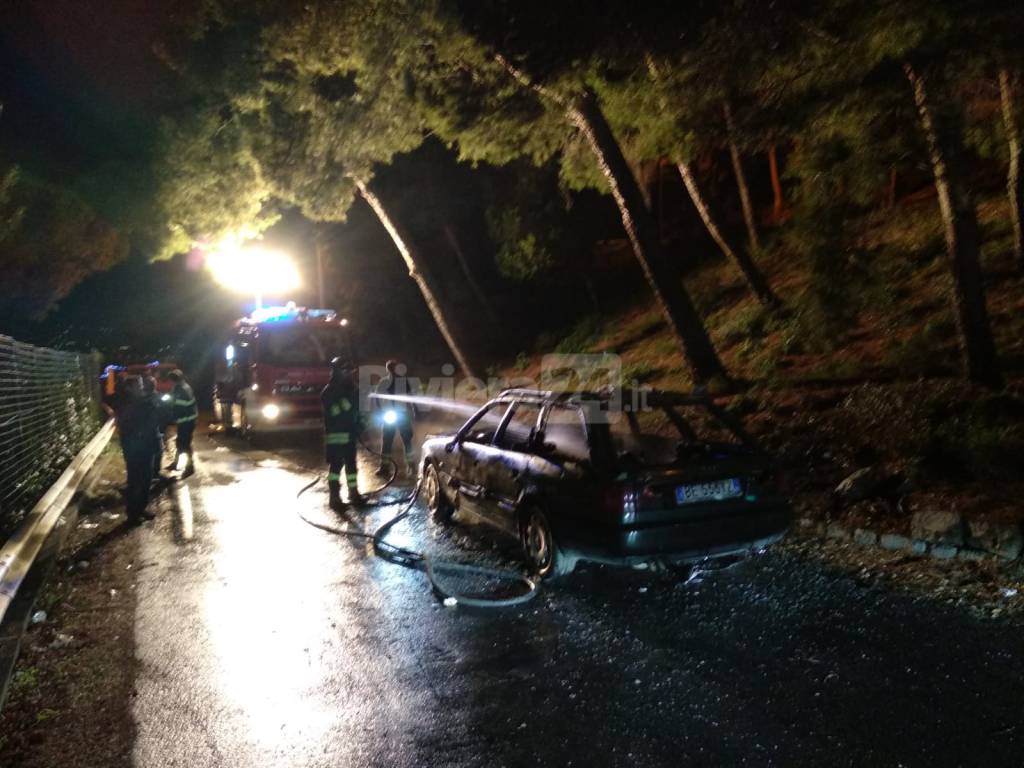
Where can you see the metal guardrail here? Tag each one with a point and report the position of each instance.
(48, 412)
(19, 552)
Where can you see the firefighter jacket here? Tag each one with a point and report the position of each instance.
(183, 402)
(341, 413)
(138, 424)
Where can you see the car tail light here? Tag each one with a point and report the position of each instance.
(618, 502)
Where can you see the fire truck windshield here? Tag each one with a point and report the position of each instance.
(298, 345)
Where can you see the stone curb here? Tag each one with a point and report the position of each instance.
(893, 542)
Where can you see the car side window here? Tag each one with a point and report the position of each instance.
(481, 428)
(518, 433)
(565, 433)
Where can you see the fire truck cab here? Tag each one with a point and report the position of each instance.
(271, 369)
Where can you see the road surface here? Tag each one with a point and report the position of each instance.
(262, 641)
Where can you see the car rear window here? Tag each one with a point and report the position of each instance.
(661, 436)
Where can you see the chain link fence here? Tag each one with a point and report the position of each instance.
(49, 409)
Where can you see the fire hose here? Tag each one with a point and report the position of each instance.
(431, 566)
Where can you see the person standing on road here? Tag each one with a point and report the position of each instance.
(150, 393)
(184, 414)
(137, 424)
(396, 416)
(342, 426)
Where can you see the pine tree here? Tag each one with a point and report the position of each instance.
(483, 117)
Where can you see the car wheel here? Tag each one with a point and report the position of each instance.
(437, 502)
(545, 558)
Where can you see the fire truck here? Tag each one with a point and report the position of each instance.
(273, 366)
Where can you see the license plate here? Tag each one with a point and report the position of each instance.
(718, 489)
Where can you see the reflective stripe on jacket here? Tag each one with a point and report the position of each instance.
(341, 413)
(183, 404)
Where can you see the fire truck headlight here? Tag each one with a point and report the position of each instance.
(270, 411)
(390, 416)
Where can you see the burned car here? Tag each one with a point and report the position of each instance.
(579, 476)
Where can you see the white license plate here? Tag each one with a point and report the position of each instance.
(718, 489)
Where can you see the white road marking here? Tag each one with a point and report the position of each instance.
(183, 508)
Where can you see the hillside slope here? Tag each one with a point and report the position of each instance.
(883, 391)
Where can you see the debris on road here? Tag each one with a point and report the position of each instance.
(61, 640)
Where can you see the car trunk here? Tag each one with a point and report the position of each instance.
(711, 481)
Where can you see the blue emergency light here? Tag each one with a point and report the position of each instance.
(288, 312)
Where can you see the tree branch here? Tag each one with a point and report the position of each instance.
(527, 82)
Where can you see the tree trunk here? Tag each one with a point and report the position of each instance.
(402, 244)
(1014, 191)
(741, 180)
(778, 204)
(639, 224)
(474, 284)
(320, 250)
(755, 280)
(960, 228)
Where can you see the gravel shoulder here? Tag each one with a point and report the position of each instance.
(70, 698)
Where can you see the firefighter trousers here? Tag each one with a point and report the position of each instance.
(387, 438)
(342, 459)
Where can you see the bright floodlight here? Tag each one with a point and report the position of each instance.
(253, 269)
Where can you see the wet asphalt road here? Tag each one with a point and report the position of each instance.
(264, 642)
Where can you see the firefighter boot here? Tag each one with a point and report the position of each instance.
(335, 497)
(355, 498)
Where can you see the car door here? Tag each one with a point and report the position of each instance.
(507, 471)
(469, 455)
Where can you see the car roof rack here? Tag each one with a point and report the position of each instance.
(655, 397)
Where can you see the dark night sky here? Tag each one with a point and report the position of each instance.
(104, 46)
(79, 80)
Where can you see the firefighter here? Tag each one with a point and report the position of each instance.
(184, 414)
(137, 424)
(341, 431)
(150, 393)
(396, 416)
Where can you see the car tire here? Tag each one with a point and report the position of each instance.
(440, 508)
(543, 555)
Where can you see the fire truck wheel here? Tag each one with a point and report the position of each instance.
(254, 438)
(224, 408)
